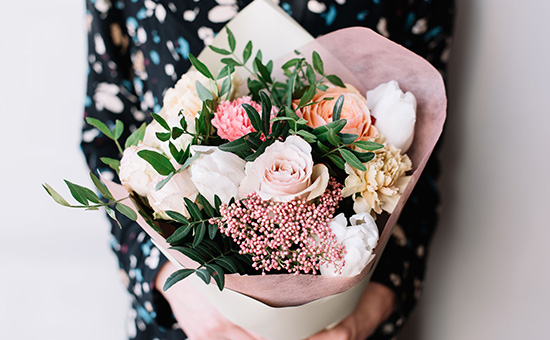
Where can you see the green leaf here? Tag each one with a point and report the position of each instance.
(204, 275)
(308, 96)
(111, 162)
(364, 157)
(206, 206)
(323, 147)
(235, 146)
(82, 194)
(112, 215)
(176, 277)
(322, 87)
(158, 161)
(126, 211)
(227, 263)
(212, 230)
(310, 74)
(177, 132)
(176, 216)
(119, 129)
(247, 52)
(225, 71)
(339, 162)
(231, 39)
(179, 234)
(189, 161)
(200, 231)
(264, 72)
(308, 136)
(352, 160)
(219, 50)
(190, 253)
(337, 110)
(193, 209)
(218, 276)
(266, 112)
(367, 145)
(230, 62)
(347, 138)
(203, 92)
(226, 86)
(333, 138)
(56, 197)
(162, 183)
(335, 80)
(317, 63)
(217, 202)
(200, 67)
(136, 136)
(100, 126)
(254, 116)
(291, 63)
(101, 187)
(163, 136)
(158, 118)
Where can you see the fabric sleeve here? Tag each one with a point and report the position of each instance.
(110, 96)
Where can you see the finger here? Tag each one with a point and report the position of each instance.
(337, 333)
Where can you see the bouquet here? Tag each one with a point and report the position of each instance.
(283, 173)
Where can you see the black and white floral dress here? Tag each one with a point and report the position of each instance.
(139, 48)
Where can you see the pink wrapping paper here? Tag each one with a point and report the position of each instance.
(369, 60)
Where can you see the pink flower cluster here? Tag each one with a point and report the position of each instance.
(292, 236)
(231, 120)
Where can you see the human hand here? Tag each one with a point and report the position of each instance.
(376, 305)
(198, 318)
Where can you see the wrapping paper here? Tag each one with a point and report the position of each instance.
(290, 306)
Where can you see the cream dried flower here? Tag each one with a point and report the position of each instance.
(380, 186)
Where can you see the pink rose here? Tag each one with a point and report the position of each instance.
(231, 120)
(285, 171)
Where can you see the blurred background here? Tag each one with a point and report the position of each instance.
(488, 272)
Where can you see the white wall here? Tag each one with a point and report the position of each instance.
(488, 273)
(58, 277)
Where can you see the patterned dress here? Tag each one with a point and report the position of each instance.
(139, 48)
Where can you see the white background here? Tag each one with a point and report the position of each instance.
(488, 273)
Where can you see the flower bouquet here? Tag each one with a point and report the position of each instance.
(271, 180)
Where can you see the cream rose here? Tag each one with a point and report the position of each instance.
(170, 196)
(354, 110)
(395, 113)
(285, 171)
(216, 172)
(135, 173)
(359, 239)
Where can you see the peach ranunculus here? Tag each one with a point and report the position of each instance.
(355, 111)
(285, 171)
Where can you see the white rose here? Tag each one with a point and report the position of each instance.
(135, 173)
(359, 239)
(150, 137)
(170, 196)
(285, 171)
(395, 113)
(216, 172)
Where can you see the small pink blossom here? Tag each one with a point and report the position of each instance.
(231, 120)
(292, 236)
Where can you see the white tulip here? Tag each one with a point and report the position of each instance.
(395, 113)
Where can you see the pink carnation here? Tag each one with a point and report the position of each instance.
(231, 120)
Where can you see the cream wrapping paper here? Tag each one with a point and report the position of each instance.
(286, 306)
